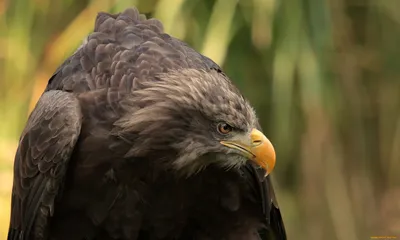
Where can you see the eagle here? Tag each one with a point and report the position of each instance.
(139, 137)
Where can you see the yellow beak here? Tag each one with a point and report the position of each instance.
(258, 149)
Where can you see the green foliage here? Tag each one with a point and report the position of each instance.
(323, 76)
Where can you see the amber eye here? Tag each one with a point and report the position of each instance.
(224, 128)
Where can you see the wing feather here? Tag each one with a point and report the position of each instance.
(41, 161)
(265, 194)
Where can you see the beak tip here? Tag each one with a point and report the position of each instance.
(264, 152)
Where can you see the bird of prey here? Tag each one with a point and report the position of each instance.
(138, 136)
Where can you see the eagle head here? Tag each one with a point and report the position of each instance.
(193, 118)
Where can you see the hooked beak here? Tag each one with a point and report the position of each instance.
(258, 149)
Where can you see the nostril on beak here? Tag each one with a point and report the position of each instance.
(256, 142)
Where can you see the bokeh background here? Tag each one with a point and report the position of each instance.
(323, 75)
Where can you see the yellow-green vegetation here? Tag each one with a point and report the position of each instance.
(323, 75)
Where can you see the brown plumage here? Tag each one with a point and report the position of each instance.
(135, 138)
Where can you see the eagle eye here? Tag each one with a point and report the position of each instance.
(224, 128)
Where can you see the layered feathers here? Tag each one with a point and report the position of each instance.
(95, 158)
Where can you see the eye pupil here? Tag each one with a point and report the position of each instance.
(224, 128)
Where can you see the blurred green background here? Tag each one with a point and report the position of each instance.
(323, 75)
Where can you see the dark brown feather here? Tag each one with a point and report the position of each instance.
(106, 184)
(41, 162)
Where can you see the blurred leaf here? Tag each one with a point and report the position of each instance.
(218, 34)
(168, 12)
